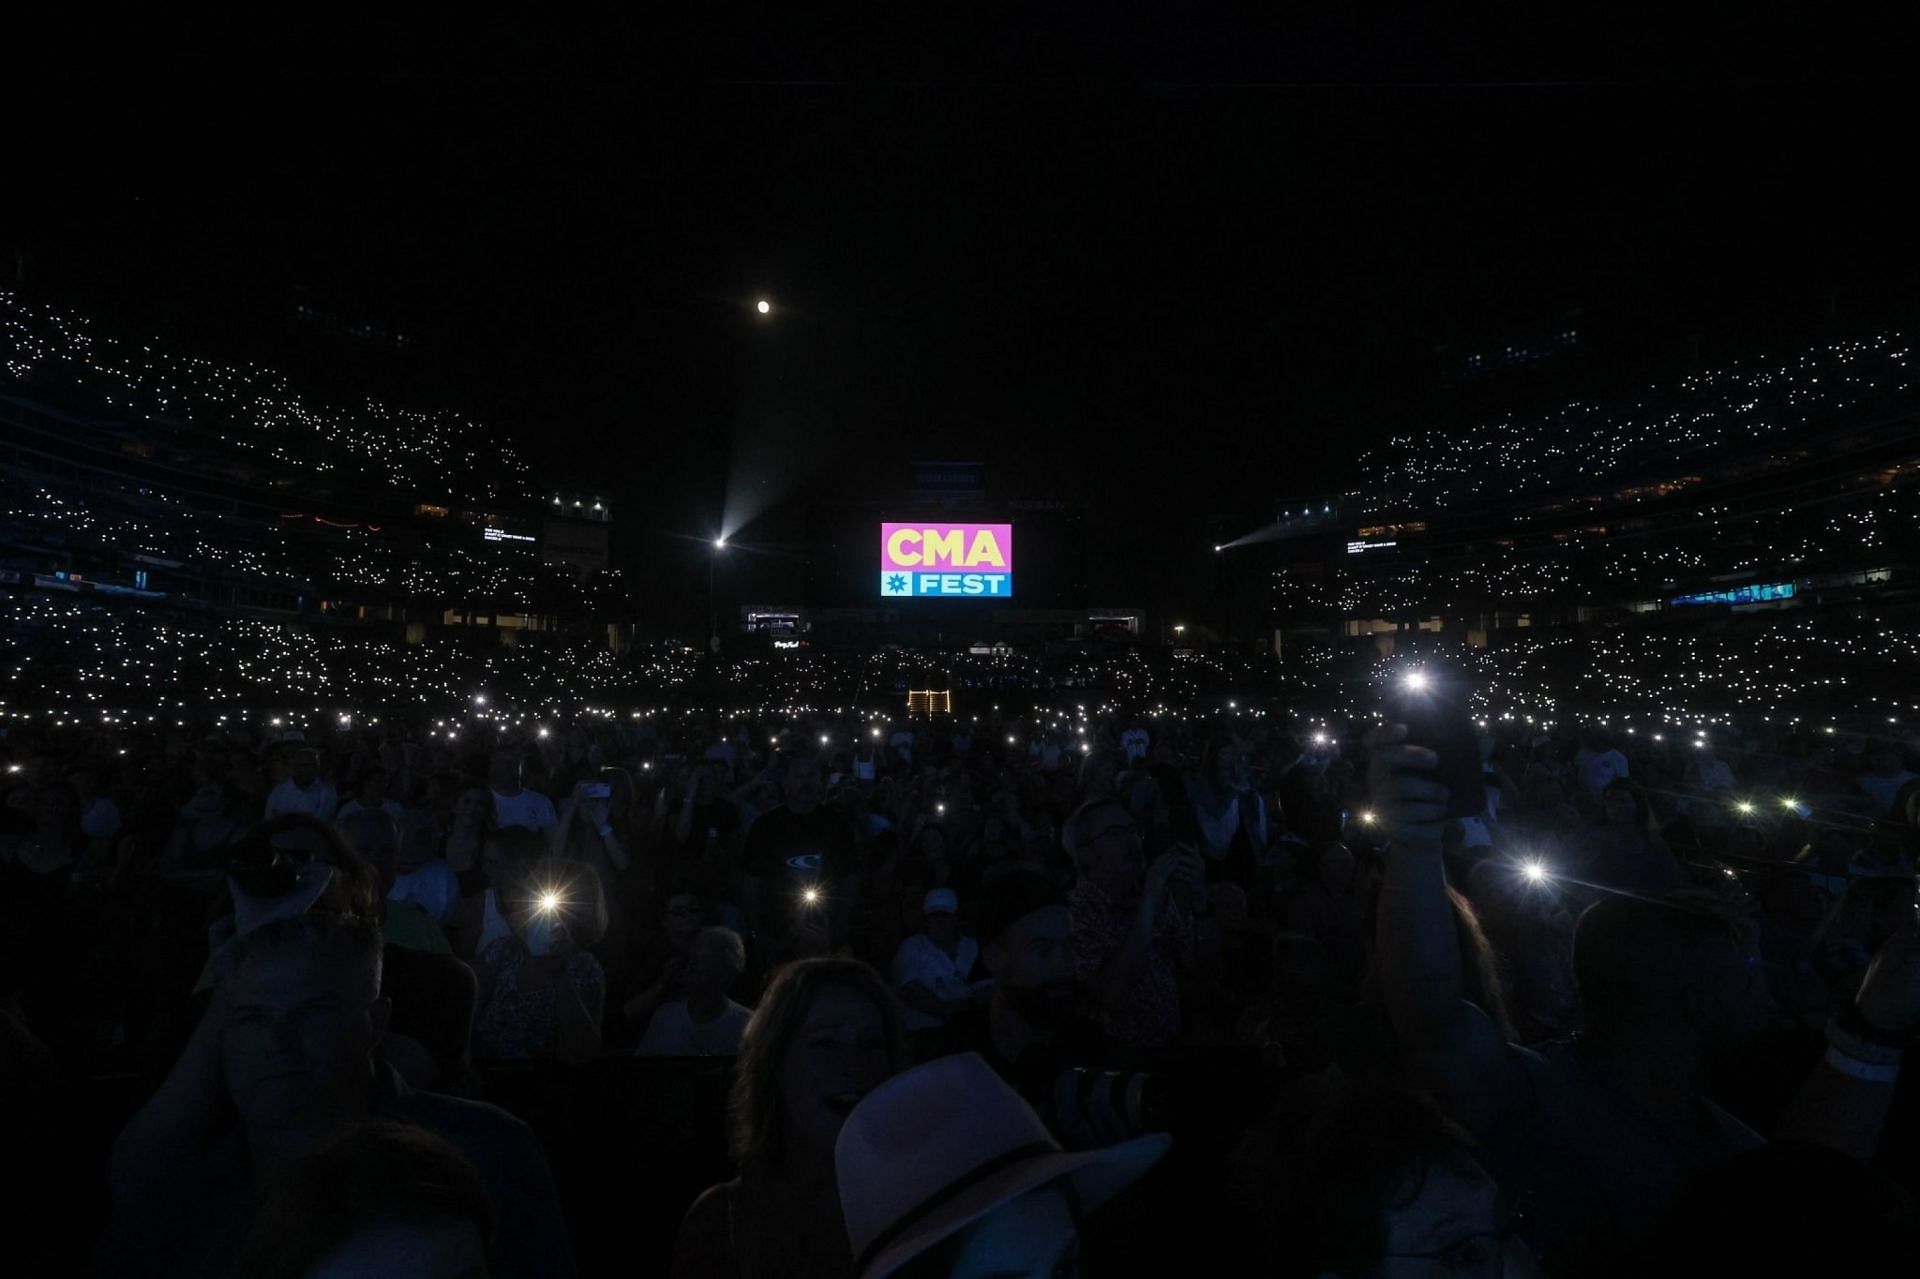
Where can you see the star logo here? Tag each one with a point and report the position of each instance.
(896, 584)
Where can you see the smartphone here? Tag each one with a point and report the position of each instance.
(543, 931)
(595, 790)
(1432, 704)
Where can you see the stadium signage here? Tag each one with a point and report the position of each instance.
(946, 561)
(492, 534)
(1752, 594)
(1355, 548)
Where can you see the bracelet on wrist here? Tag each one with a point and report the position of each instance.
(1843, 1040)
(1865, 1071)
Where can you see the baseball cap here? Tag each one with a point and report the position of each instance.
(940, 901)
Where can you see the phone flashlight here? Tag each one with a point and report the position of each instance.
(1535, 872)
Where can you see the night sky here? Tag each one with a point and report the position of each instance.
(1180, 275)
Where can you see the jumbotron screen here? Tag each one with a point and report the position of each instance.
(946, 561)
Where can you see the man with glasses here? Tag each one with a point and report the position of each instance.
(1134, 926)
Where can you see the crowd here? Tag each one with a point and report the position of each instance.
(1027, 991)
(1771, 398)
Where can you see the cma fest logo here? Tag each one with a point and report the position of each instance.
(946, 561)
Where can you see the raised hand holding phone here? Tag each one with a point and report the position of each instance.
(1408, 802)
(1432, 707)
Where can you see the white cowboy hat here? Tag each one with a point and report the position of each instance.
(938, 1147)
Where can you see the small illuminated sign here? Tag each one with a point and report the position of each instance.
(493, 534)
(1355, 548)
(1751, 594)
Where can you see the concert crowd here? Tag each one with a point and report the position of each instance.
(1054, 992)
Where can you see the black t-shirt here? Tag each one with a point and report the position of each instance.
(779, 841)
(717, 815)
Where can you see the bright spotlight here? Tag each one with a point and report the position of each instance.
(1535, 872)
(1415, 681)
(1367, 819)
(763, 306)
(719, 543)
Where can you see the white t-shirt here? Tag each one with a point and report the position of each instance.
(1598, 768)
(529, 808)
(1884, 789)
(919, 960)
(317, 800)
(433, 887)
(1134, 742)
(389, 806)
(673, 1033)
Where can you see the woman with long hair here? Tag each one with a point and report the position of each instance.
(827, 1032)
(1230, 816)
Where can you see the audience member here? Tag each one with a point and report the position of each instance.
(370, 795)
(1883, 783)
(944, 1171)
(1346, 1180)
(933, 969)
(542, 992)
(1604, 1131)
(513, 803)
(1597, 764)
(799, 863)
(827, 1033)
(1134, 927)
(705, 1023)
(282, 1063)
(383, 1199)
(303, 790)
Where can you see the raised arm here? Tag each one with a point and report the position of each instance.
(183, 1117)
(1450, 1043)
(1845, 1101)
(1112, 982)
